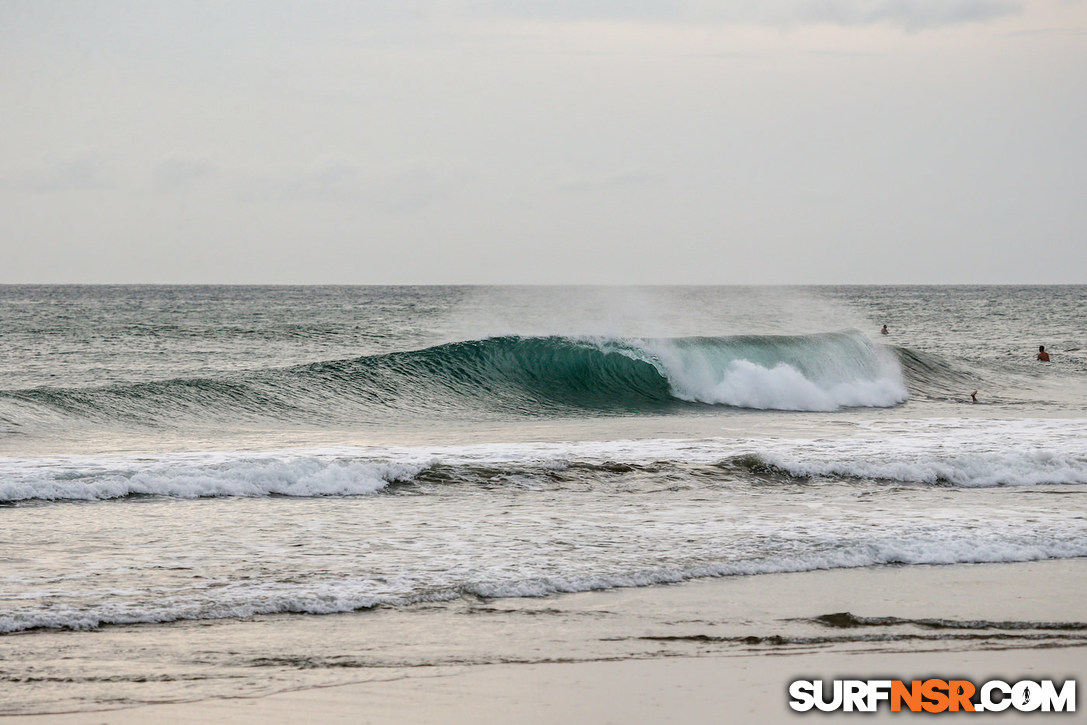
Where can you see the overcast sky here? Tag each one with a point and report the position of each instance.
(527, 141)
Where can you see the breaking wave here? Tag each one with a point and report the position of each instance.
(361, 593)
(1018, 456)
(524, 376)
(970, 470)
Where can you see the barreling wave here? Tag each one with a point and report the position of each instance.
(502, 375)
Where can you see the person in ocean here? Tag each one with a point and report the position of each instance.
(1042, 354)
(884, 331)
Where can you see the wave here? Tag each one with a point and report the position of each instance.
(1028, 456)
(524, 376)
(301, 476)
(973, 470)
(932, 376)
(247, 599)
(810, 372)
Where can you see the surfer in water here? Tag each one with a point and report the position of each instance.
(1042, 354)
(974, 396)
(884, 331)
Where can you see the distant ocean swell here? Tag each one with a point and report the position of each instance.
(525, 376)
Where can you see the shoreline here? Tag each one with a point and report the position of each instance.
(694, 652)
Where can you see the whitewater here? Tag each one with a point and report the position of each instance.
(205, 454)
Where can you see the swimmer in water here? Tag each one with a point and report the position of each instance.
(974, 396)
(884, 331)
(1042, 354)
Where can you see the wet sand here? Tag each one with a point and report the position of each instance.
(706, 651)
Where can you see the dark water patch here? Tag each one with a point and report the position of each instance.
(309, 663)
(777, 640)
(847, 620)
(105, 679)
(755, 465)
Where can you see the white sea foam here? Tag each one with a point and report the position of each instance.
(975, 453)
(160, 560)
(330, 597)
(749, 385)
(190, 477)
(700, 375)
(1025, 468)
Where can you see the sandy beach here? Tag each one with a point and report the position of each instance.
(704, 651)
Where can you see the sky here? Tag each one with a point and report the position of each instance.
(543, 142)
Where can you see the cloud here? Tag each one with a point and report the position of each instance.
(179, 172)
(906, 14)
(405, 188)
(82, 172)
(619, 180)
(577, 10)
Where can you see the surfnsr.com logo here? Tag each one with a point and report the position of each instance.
(933, 695)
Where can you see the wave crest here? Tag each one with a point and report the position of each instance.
(811, 372)
(523, 376)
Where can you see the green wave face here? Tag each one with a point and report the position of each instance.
(522, 376)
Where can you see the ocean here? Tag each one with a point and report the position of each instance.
(185, 471)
